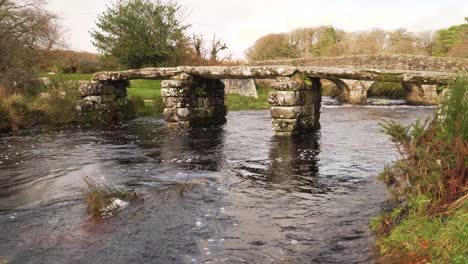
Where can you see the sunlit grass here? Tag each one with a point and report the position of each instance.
(236, 102)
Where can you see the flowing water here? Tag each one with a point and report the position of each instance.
(251, 197)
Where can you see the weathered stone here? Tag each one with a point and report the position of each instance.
(286, 98)
(190, 114)
(248, 72)
(421, 94)
(176, 92)
(175, 84)
(244, 87)
(103, 88)
(288, 86)
(287, 112)
(181, 102)
(357, 91)
(93, 98)
(285, 125)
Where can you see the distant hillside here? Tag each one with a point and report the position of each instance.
(68, 61)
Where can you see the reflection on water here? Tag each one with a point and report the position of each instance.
(253, 197)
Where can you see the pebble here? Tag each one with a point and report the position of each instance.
(198, 223)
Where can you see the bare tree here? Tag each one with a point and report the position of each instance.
(198, 43)
(27, 32)
(216, 47)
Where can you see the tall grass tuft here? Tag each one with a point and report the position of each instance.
(100, 199)
(430, 187)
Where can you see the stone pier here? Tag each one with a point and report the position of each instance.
(421, 94)
(357, 93)
(295, 105)
(102, 95)
(191, 101)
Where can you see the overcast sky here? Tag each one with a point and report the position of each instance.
(240, 22)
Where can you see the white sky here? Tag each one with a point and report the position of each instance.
(239, 23)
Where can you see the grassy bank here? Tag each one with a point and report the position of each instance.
(236, 102)
(429, 186)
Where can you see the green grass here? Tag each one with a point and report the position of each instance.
(236, 102)
(425, 237)
(145, 89)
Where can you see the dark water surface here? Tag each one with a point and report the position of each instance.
(253, 197)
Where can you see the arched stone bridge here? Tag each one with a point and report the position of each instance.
(194, 96)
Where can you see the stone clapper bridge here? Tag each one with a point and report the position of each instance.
(194, 96)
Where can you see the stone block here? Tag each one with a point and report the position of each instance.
(190, 114)
(176, 92)
(175, 83)
(285, 125)
(103, 88)
(182, 102)
(93, 99)
(288, 86)
(286, 112)
(286, 98)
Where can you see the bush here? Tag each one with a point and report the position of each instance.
(15, 113)
(56, 106)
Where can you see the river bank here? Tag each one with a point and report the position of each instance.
(429, 185)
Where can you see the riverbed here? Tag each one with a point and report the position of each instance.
(251, 198)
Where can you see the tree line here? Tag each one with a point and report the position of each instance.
(331, 41)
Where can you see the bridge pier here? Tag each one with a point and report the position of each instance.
(295, 105)
(190, 101)
(357, 91)
(421, 94)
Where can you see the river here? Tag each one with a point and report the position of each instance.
(252, 198)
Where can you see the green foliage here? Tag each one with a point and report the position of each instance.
(142, 33)
(55, 107)
(453, 118)
(447, 39)
(433, 239)
(326, 40)
(270, 47)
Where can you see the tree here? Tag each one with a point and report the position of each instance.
(27, 33)
(142, 33)
(216, 47)
(270, 47)
(454, 37)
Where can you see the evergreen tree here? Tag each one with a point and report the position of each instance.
(142, 33)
